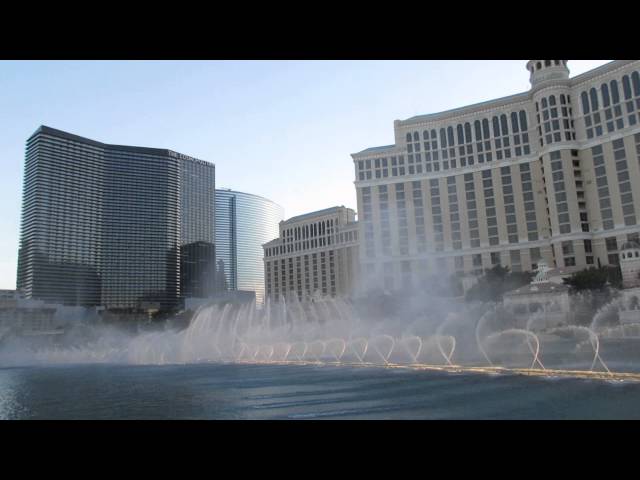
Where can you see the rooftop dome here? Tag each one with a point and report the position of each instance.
(630, 245)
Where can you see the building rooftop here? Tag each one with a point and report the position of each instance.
(317, 213)
(544, 288)
(467, 109)
(223, 190)
(77, 138)
(630, 246)
(375, 149)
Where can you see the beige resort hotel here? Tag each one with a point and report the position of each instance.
(552, 173)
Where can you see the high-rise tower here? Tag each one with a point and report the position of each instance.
(109, 224)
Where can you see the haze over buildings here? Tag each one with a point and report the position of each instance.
(302, 117)
(552, 173)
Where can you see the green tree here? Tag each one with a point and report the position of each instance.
(592, 278)
(495, 283)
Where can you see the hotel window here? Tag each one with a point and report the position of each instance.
(516, 262)
(592, 116)
(637, 139)
(560, 193)
(367, 222)
(534, 254)
(509, 205)
(418, 209)
(459, 263)
(632, 97)
(436, 213)
(472, 212)
(489, 200)
(602, 186)
(528, 202)
(403, 228)
(454, 216)
(385, 226)
(624, 183)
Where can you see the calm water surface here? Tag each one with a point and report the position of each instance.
(214, 391)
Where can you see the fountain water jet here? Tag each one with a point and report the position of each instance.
(518, 331)
(375, 341)
(414, 354)
(359, 348)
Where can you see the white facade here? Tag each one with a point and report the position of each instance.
(316, 254)
(630, 264)
(552, 173)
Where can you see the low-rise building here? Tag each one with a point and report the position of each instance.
(546, 299)
(630, 264)
(316, 255)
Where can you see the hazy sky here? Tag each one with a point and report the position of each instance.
(281, 129)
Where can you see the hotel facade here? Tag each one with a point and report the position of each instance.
(315, 255)
(552, 173)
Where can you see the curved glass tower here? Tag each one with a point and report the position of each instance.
(244, 222)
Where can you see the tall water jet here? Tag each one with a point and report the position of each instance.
(481, 323)
(535, 349)
(383, 352)
(414, 352)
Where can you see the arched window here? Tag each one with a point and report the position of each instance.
(425, 135)
(408, 138)
(557, 62)
(594, 99)
(476, 126)
(416, 137)
(544, 103)
(615, 94)
(635, 78)
(538, 66)
(585, 102)
(452, 141)
(523, 121)
(485, 129)
(626, 87)
(547, 63)
(460, 134)
(514, 122)
(604, 89)
(434, 136)
(443, 138)
(563, 100)
(467, 132)
(552, 101)
(496, 127)
(505, 126)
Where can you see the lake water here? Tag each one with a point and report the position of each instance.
(242, 391)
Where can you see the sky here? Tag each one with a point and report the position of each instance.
(284, 130)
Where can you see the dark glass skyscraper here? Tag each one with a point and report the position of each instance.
(118, 226)
(244, 222)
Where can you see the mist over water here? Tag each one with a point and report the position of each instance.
(384, 330)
